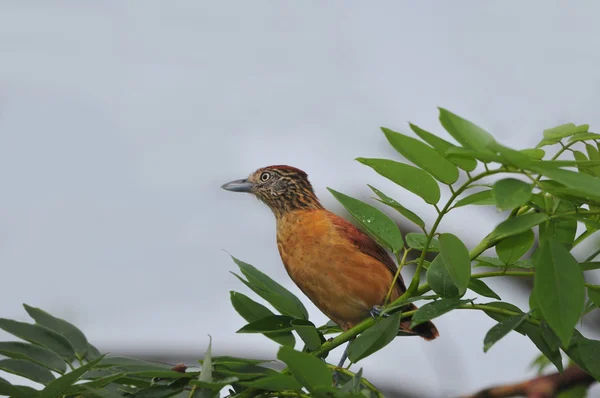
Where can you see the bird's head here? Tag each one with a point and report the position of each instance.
(282, 188)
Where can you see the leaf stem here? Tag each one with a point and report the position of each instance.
(412, 289)
(401, 263)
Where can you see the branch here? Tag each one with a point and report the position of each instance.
(539, 387)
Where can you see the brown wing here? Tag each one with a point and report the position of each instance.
(367, 245)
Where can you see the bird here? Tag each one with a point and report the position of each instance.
(342, 270)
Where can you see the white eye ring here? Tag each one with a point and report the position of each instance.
(265, 176)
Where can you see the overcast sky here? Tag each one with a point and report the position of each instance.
(119, 121)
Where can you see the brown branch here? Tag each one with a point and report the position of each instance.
(540, 387)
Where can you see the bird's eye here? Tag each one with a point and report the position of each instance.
(265, 176)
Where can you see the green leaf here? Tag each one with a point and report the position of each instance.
(435, 309)
(559, 230)
(309, 370)
(584, 137)
(482, 198)
(274, 383)
(589, 352)
(252, 311)
(39, 335)
(439, 278)
(510, 156)
(564, 130)
(534, 153)
(374, 338)
(423, 156)
(272, 323)
(510, 193)
(29, 370)
(92, 353)
(62, 327)
(559, 288)
(594, 155)
(40, 355)
(466, 133)
(442, 146)
(411, 178)
(479, 287)
(517, 225)
(7, 389)
(581, 160)
(278, 296)
(464, 153)
(374, 221)
(131, 364)
(594, 295)
(457, 260)
(582, 185)
(417, 241)
(531, 331)
(501, 329)
(398, 207)
(514, 247)
(308, 333)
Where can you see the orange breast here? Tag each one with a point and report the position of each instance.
(329, 266)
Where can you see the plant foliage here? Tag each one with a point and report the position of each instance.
(557, 196)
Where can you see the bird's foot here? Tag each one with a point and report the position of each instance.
(376, 311)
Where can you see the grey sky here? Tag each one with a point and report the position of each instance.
(120, 120)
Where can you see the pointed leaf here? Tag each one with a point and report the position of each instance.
(514, 247)
(14, 391)
(398, 207)
(417, 241)
(584, 137)
(457, 260)
(479, 287)
(252, 311)
(534, 153)
(517, 225)
(442, 146)
(581, 184)
(58, 386)
(60, 326)
(559, 288)
(374, 338)
(309, 370)
(308, 333)
(559, 230)
(34, 353)
(29, 370)
(423, 156)
(411, 178)
(435, 309)
(565, 130)
(278, 296)
(377, 224)
(39, 335)
(439, 278)
(510, 193)
(482, 198)
(466, 133)
(594, 295)
(501, 329)
(273, 323)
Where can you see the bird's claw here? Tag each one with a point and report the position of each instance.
(376, 311)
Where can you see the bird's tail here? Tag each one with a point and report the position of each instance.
(426, 330)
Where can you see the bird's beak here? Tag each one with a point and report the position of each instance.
(238, 186)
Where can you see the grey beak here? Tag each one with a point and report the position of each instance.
(238, 186)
